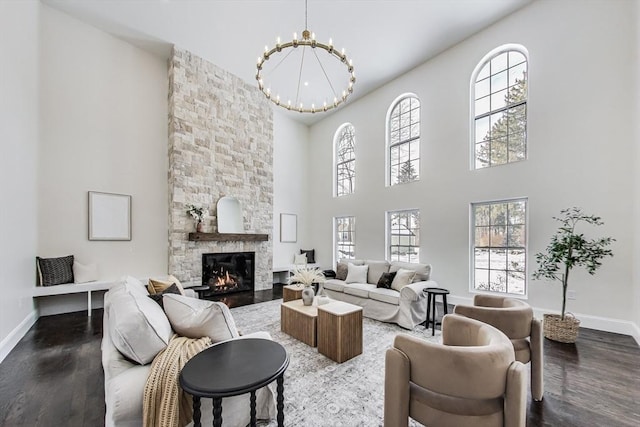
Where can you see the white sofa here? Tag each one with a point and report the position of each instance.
(407, 308)
(134, 320)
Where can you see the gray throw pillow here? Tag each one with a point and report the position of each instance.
(55, 271)
(341, 270)
(196, 318)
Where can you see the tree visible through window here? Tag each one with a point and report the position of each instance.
(404, 141)
(345, 160)
(499, 246)
(345, 237)
(500, 110)
(404, 235)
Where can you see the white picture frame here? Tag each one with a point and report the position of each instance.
(109, 216)
(288, 228)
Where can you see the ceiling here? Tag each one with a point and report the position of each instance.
(385, 38)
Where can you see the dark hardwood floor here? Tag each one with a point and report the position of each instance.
(53, 377)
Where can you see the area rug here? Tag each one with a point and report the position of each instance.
(320, 392)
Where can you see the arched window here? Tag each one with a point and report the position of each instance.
(403, 140)
(499, 107)
(345, 160)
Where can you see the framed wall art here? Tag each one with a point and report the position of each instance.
(109, 216)
(288, 228)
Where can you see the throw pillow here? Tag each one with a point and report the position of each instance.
(196, 318)
(311, 255)
(376, 268)
(385, 280)
(159, 285)
(157, 297)
(341, 271)
(423, 271)
(85, 273)
(357, 273)
(300, 259)
(402, 279)
(55, 271)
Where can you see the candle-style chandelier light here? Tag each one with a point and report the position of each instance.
(328, 70)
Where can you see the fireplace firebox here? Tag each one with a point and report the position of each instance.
(228, 272)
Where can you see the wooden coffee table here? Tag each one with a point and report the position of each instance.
(340, 330)
(291, 292)
(299, 321)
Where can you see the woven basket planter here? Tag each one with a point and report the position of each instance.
(560, 330)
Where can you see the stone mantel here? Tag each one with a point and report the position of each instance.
(228, 237)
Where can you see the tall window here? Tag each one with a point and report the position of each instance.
(403, 234)
(345, 228)
(499, 248)
(345, 160)
(404, 140)
(499, 106)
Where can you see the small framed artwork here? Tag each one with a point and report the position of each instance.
(109, 216)
(288, 228)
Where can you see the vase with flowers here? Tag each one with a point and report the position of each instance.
(197, 213)
(306, 276)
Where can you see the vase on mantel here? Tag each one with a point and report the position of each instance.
(199, 227)
(307, 295)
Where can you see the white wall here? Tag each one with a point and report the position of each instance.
(581, 130)
(18, 166)
(103, 128)
(290, 184)
(636, 256)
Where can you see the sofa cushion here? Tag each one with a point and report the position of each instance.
(389, 296)
(385, 280)
(159, 284)
(342, 267)
(402, 279)
(423, 271)
(195, 318)
(84, 273)
(334, 285)
(134, 287)
(138, 327)
(55, 271)
(157, 297)
(310, 254)
(357, 273)
(358, 289)
(376, 269)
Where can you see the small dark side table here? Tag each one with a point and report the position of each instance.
(234, 368)
(432, 293)
(201, 290)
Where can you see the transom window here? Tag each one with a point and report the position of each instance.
(499, 106)
(345, 163)
(345, 229)
(499, 249)
(404, 140)
(403, 234)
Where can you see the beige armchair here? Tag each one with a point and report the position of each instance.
(471, 379)
(515, 319)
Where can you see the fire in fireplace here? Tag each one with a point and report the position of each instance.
(228, 272)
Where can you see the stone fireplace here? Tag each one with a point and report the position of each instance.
(220, 144)
(228, 272)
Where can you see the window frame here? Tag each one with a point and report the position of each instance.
(472, 101)
(388, 146)
(337, 140)
(336, 241)
(389, 240)
(472, 248)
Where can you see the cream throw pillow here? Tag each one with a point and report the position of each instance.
(196, 318)
(156, 286)
(84, 273)
(402, 279)
(357, 274)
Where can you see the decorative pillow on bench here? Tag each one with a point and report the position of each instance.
(55, 271)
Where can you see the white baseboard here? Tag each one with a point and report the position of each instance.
(16, 335)
(607, 324)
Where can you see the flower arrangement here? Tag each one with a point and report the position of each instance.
(306, 276)
(196, 212)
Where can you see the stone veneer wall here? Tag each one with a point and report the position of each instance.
(220, 144)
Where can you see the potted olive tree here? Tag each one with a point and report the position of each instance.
(568, 249)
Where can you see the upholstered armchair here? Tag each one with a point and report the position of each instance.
(515, 319)
(471, 379)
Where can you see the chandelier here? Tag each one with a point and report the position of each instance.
(328, 69)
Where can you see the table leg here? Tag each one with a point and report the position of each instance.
(426, 323)
(89, 303)
(217, 412)
(196, 412)
(253, 408)
(433, 314)
(280, 400)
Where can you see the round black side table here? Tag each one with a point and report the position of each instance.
(234, 368)
(432, 293)
(201, 290)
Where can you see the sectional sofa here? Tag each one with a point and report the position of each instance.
(406, 307)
